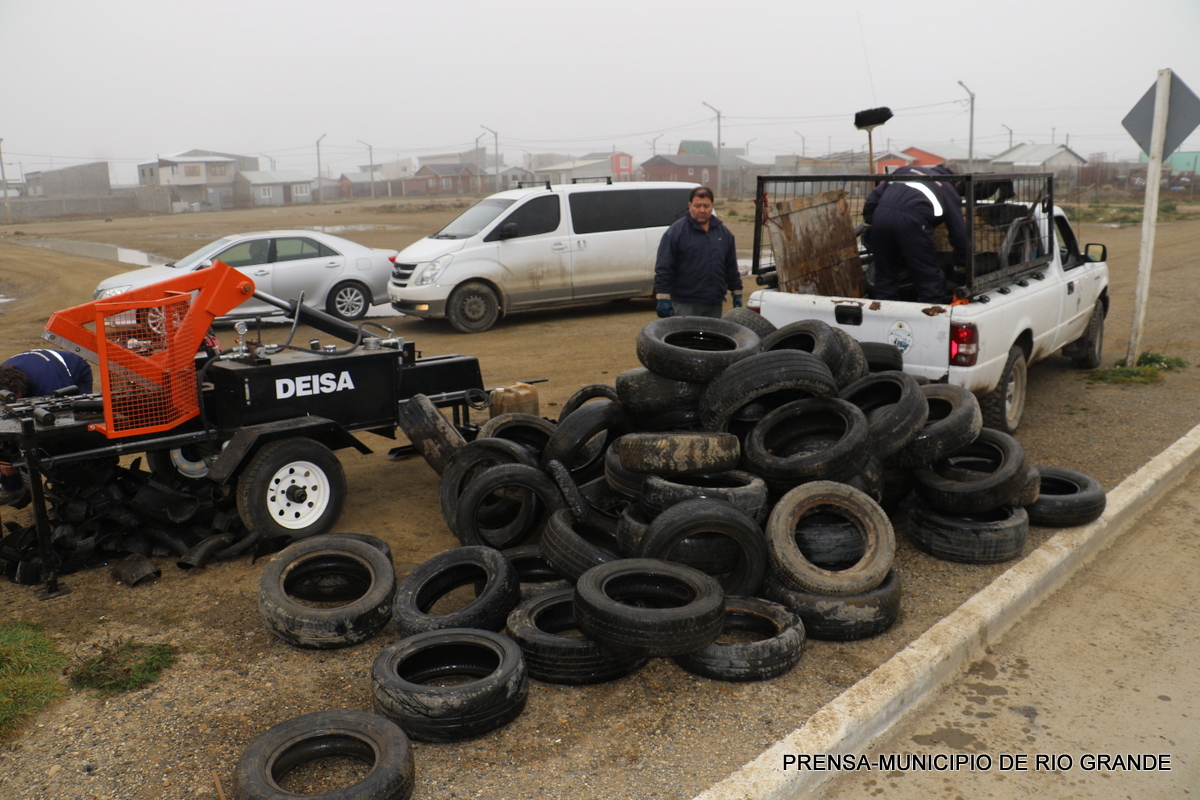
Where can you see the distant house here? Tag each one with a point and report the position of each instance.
(362, 184)
(891, 160)
(324, 189)
(697, 147)
(699, 169)
(620, 165)
(578, 169)
(1038, 157)
(81, 180)
(272, 188)
(203, 177)
(442, 179)
(513, 176)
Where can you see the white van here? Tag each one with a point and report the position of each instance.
(537, 248)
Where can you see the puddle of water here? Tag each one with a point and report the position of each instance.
(107, 252)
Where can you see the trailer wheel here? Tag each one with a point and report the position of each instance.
(349, 300)
(1003, 408)
(293, 487)
(473, 308)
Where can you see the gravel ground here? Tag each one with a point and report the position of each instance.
(660, 732)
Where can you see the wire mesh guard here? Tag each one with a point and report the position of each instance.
(147, 364)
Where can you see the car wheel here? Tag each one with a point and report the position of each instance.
(1087, 351)
(293, 487)
(349, 300)
(1004, 407)
(473, 308)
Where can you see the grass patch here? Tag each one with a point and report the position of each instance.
(1149, 369)
(122, 667)
(29, 668)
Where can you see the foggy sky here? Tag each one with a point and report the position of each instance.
(131, 80)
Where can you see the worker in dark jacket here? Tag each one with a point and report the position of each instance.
(901, 216)
(36, 373)
(697, 263)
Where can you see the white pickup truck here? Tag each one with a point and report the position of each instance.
(1028, 290)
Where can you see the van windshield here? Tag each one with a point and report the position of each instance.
(474, 219)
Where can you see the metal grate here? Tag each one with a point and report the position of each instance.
(147, 364)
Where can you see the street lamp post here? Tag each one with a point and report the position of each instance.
(971, 140)
(320, 186)
(371, 156)
(1002, 125)
(801, 135)
(718, 145)
(496, 142)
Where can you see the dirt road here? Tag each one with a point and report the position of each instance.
(657, 733)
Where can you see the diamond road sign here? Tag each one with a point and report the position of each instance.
(1183, 115)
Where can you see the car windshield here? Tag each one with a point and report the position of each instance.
(192, 259)
(474, 219)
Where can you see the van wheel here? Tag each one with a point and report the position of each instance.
(1003, 408)
(473, 308)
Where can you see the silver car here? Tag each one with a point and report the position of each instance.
(340, 276)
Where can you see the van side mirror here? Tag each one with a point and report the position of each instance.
(1095, 252)
(508, 230)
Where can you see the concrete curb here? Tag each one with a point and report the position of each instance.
(867, 709)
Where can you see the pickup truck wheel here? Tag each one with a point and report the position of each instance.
(349, 300)
(473, 308)
(292, 487)
(1085, 354)
(1004, 407)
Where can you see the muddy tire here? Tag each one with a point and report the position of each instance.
(292, 487)
(987, 537)
(535, 574)
(527, 483)
(844, 618)
(954, 421)
(1066, 499)
(529, 431)
(593, 391)
(357, 614)
(429, 431)
(822, 438)
(328, 734)
(776, 646)
(679, 453)
(572, 546)
(954, 491)
(471, 460)
(750, 319)
(576, 440)
(811, 336)
(768, 380)
(494, 578)
(694, 349)
(896, 410)
(696, 521)
(854, 364)
(644, 392)
(882, 356)
(739, 488)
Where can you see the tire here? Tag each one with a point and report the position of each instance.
(429, 431)
(1086, 352)
(540, 628)
(679, 453)
(988, 537)
(646, 607)
(571, 547)
(530, 431)
(360, 735)
(531, 483)
(882, 356)
(954, 492)
(823, 438)
(846, 618)
(494, 578)
(414, 682)
(954, 421)
(333, 579)
(1004, 406)
(775, 650)
(896, 410)
(473, 307)
(576, 503)
(739, 488)
(625, 482)
(593, 391)
(870, 480)
(187, 465)
(770, 379)
(362, 566)
(694, 349)
(572, 440)
(471, 460)
(692, 519)
(854, 364)
(811, 336)
(829, 541)
(643, 392)
(676, 420)
(292, 487)
(788, 563)
(535, 574)
(1066, 499)
(348, 300)
(750, 319)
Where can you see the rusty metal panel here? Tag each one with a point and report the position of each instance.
(815, 250)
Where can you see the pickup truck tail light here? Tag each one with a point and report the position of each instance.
(964, 344)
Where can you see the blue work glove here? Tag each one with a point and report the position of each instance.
(665, 309)
(737, 300)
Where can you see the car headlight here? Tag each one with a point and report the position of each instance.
(109, 292)
(433, 269)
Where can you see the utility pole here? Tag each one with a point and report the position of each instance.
(371, 156)
(496, 141)
(654, 145)
(748, 145)
(4, 184)
(971, 140)
(718, 190)
(320, 186)
(801, 135)
(1002, 125)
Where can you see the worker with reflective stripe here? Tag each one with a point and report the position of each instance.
(44, 371)
(901, 216)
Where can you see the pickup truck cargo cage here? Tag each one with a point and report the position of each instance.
(1005, 241)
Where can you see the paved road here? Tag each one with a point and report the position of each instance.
(1097, 689)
